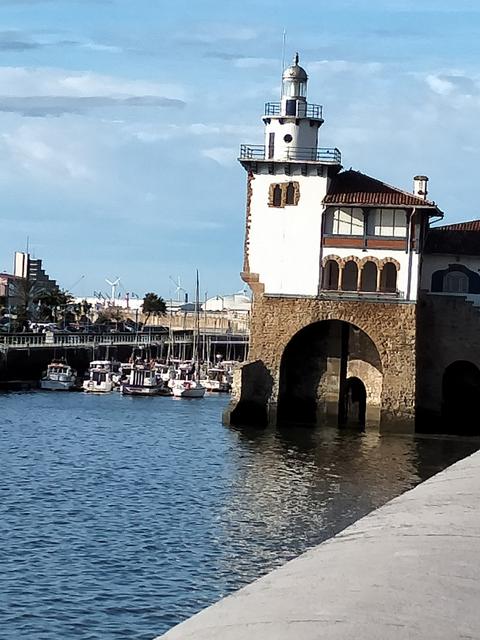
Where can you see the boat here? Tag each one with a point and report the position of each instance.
(217, 380)
(143, 381)
(59, 377)
(101, 376)
(188, 384)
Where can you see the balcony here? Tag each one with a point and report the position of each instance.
(303, 110)
(293, 154)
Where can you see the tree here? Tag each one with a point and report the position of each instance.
(153, 305)
(53, 305)
(109, 315)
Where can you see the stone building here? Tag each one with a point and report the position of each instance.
(347, 278)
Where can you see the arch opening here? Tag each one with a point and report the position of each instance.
(388, 279)
(350, 276)
(460, 398)
(354, 404)
(330, 374)
(330, 275)
(369, 277)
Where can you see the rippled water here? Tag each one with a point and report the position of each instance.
(121, 516)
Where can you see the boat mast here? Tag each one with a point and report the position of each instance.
(197, 329)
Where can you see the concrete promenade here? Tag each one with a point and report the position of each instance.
(410, 569)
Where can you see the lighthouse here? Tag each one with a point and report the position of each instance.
(288, 177)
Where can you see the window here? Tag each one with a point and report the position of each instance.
(330, 275)
(387, 222)
(290, 194)
(277, 195)
(368, 281)
(283, 194)
(388, 279)
(350, 276)
(455, 282)
(345, 222)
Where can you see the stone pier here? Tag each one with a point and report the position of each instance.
(410, 569)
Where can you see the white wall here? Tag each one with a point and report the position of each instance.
(284, 243)
(303, 135)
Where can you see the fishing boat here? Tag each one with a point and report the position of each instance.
(143, 381)
(189, 385)
(59, 377)
(101, 376)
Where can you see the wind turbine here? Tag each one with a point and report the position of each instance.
(179, 287)
(114, 286)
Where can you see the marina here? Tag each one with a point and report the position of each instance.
(121, 517)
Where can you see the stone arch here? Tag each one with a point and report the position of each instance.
(337, 259)
(364, 261)
(314, 368)
(388, 260)
(460, 398)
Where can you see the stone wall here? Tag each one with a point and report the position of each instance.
(448, 331)
(390, 326)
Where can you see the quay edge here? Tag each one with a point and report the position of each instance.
(409, 569)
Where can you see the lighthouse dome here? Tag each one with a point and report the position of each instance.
(295, 71)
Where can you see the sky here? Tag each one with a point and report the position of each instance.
(120, 122)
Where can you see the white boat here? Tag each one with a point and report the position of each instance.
(187, 384)
(143, 381)
(101, 376)
(188, 389)
(217, 380)
(59, 377)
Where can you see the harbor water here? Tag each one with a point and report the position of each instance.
(119, 516)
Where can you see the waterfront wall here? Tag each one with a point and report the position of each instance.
(390, 382)
(410, 569)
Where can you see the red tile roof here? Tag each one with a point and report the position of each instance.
(470, 225)
(462, 238)
(357, 189)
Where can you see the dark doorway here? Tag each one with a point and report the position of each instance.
(461, 399)
(317, 385)
(354, 404)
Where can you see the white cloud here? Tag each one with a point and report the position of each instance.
(47, 91)
(221, 155)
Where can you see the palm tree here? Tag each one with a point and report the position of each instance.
(153, 305)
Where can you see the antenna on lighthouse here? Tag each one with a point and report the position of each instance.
(114, 286)
(284, 41)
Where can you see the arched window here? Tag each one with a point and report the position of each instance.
(277, 196)
(368, 281)
(330, 275)
(350, 276)
(455, 282)
(290, 197)
(388, 279)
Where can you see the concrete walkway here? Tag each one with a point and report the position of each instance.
(410, 569)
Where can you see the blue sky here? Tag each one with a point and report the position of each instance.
(120, 121)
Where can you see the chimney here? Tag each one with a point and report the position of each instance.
(420, 184)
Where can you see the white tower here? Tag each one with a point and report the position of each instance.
(291, 126)
(288, 178)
